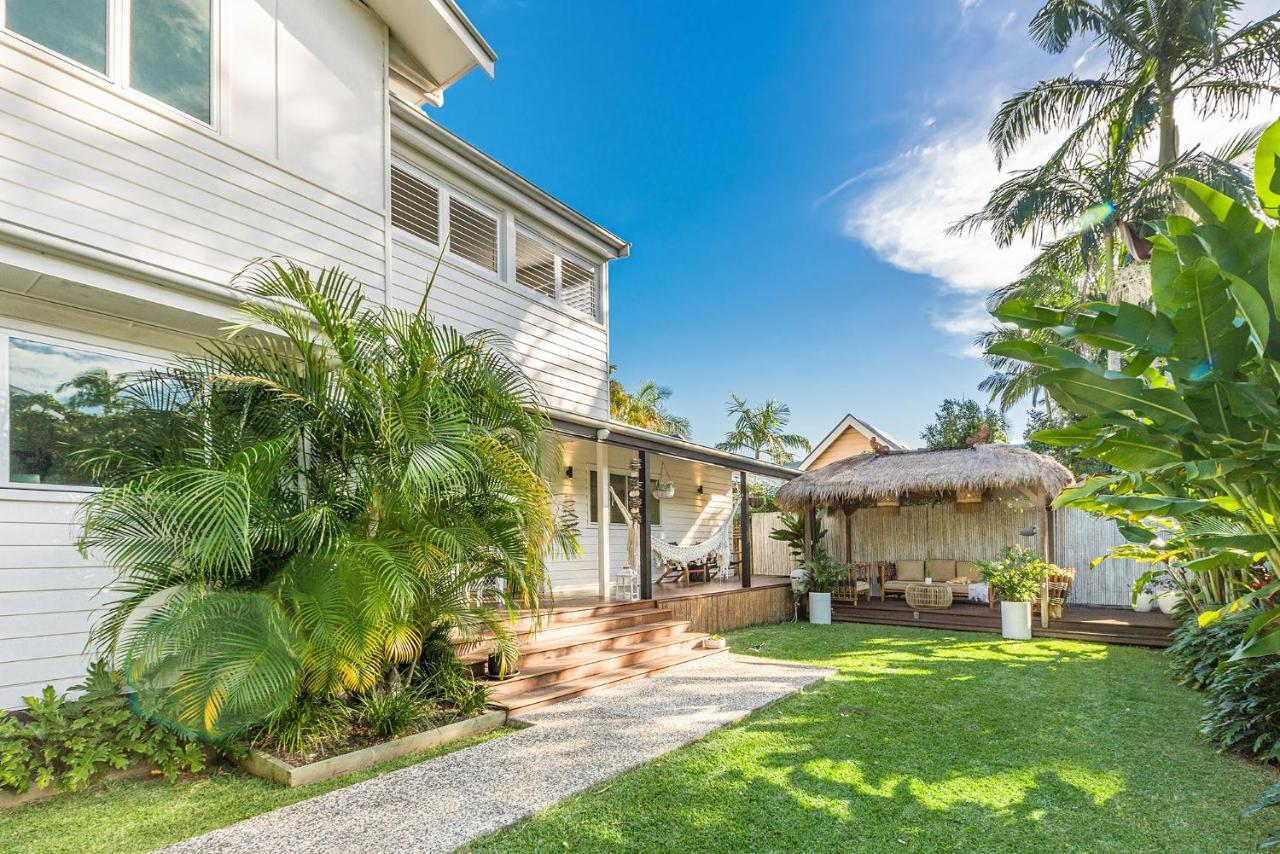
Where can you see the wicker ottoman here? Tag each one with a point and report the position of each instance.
(924, 596)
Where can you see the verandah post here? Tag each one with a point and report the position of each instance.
(744, 523)
(646, 540)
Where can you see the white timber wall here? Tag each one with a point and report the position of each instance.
(566, 355)
(687, 519)
(294, 163)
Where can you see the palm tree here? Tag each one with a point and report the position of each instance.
(1160, 51)
(646, 407)
(343, 481)
(1090, 205)
(761, 430)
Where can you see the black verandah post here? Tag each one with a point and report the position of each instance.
(646, 547)
(744, 522)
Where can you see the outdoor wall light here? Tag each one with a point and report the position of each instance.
(700, 492)
(568, 472)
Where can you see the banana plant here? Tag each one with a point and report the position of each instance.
(1191, 419)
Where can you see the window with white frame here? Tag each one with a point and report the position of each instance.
(415, 205)
(548, 270)
(535, 265)
(62, 400)
(473, 234)
(168, 44)
(432, 211)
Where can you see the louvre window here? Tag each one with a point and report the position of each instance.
(473, 234)
(535, 266)
(415, 206)
(578, 287)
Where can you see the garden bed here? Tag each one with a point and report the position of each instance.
(269, 767)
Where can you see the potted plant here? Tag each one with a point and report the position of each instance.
(823, 578)
(1016, 578)
(1145, 599)
(714, 642)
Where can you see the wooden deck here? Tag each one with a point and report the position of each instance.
(1101, 625)
(714, 606)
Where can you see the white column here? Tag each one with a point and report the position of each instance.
(603, 510)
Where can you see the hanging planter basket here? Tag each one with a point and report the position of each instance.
(755, 501)
(664, 489)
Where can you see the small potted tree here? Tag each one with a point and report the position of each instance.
(823, 578)
(1016, 578)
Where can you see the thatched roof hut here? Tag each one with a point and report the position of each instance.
(868, 478)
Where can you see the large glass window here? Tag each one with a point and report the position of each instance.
(63, 400)
(170, 53)
(619, 483)
(74, 28)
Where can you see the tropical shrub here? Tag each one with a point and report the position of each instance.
(388, 714)
(339, 481)
(1017, 576)
(1189, 418)
(1198, 651)
(1242, 703)
(792, 532)
(824, 571)
(64, 744)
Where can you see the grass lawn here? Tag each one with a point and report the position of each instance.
(932, 741)
(142, 815)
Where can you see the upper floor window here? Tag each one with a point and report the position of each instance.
(169, 53)
(473, 234)
(77, 29)
(430, 210)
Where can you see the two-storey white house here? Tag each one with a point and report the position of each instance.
(151, 149)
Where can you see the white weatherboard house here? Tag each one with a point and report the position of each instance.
(150, 149)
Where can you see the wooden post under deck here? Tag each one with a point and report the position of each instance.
(645, 534)
(744, 525)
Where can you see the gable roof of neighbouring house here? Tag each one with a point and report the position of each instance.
(849, 422)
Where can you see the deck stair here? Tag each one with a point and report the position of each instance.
(580, 648)
(1100, 625)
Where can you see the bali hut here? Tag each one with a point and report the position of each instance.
(961, 504)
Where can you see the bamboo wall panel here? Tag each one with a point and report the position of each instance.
(1080, 539)
(722, 612)
(923, 531)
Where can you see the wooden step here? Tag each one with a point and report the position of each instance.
(525, 621)
(517, 701)
(555, 633)
(537, 652)
(570, 667)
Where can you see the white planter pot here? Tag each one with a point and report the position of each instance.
(1144, 602)
(1168, 600)
(820, 609)
(1015, 620)
(715, 643)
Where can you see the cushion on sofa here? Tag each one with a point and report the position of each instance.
(968, 569)
(910, 570)
(942, 570)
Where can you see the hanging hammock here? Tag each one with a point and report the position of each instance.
(719, 544)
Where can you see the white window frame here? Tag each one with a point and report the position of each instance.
(561, 254)
(118, 60)
(499, 234)
(527, 233)
(85, 346)
(442, 211)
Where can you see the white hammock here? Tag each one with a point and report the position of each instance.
(720, 544)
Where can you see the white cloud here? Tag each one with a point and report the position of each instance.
(902, 209)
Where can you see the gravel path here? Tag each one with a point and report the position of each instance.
(449, 801)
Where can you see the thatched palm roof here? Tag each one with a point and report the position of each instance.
(870, 477)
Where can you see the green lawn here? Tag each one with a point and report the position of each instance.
(143, 815)
(932, 741)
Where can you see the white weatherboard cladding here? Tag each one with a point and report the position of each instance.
(686, 519)
(566, 356)
(291, 171)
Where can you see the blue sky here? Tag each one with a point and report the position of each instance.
(785, 173)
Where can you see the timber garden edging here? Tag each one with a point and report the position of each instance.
(268, 767)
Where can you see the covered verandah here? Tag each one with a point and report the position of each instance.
(665, 525)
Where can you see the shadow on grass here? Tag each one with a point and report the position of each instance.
(925, 740)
